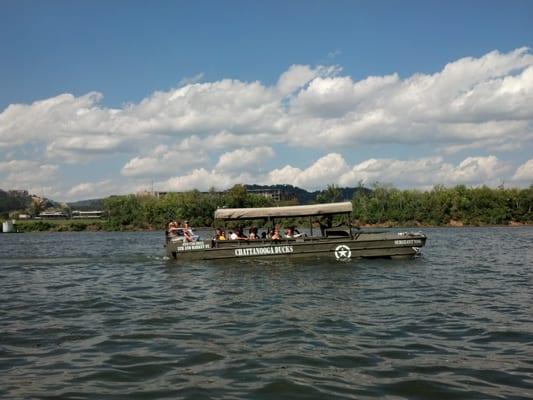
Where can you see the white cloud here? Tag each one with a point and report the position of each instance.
(335, 96)
(163, 161)
(94, 190)
(332, 169)
(471, 102)
(248, 159)
(524, 172)
(324, 171)
(297, 76)
(427, 172)
(202, 179)
(472, 106)
(22, 174)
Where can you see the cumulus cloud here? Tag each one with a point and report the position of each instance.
(426, 172)
(325, 170)
(98, 189)
(524, 172)
(423, 173)
(333, 169)
(203, 179)
(249, 159)
(163, 161)
(470, 102)
(27, 173)
(471, 106)
(297, 76)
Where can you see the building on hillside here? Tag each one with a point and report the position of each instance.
(277, 195)
(78, 214)
(52, 215)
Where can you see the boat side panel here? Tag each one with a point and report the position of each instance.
(363, 246)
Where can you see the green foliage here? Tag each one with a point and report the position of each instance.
(60, 225)
(13, 201)
(36, 226)
(441, 205)
(148, 212)
(332, 194)
(380, 205)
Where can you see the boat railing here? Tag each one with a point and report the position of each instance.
(270, 242)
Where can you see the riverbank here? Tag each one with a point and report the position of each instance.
(92, 225)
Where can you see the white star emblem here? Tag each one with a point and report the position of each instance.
(343, 252)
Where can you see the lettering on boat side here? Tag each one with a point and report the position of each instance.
(263, 251)
(407, 241)
(193, 246)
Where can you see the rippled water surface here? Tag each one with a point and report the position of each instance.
(104, 315)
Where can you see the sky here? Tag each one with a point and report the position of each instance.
(114, 97)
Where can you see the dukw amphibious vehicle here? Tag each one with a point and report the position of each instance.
(342, 243)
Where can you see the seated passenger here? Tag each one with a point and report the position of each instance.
(218, 233)
(237, 235)
(172, 228)
(296, 233)
(187, 232)
(276, 235)
(288, 233)
(253, 233)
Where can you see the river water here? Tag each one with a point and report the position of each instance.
(105, 315)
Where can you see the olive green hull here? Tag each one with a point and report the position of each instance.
(361, 245)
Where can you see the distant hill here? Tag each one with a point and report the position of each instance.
(305, 197)
(14, 200)
(20, 200)
(87, 205)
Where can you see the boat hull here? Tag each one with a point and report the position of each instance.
(360, 245)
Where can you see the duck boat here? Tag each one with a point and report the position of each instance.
(342, 243)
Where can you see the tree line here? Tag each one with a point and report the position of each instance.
(379, 204)
(149, 212)
(442, 206)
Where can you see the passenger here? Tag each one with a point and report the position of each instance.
(288, 233)
(222, 235)
(296, 233)
(240, 233)
(263, 235)
(172, 228)
(253, 233)
(187, 232)
(237, 235)
(276, 235)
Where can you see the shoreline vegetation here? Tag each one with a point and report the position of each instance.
(377, 207)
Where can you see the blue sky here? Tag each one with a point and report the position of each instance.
(222, 115)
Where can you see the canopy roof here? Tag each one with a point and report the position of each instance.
(284, 212)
